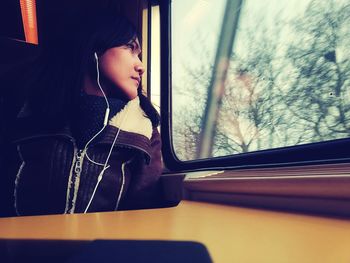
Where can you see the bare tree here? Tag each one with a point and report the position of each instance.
(320, 79)
(246, 113)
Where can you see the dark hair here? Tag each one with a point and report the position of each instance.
(68, 55)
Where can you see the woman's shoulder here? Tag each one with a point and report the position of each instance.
(133, 119)
(29, 125)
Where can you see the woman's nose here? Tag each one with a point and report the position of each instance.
(139, 68)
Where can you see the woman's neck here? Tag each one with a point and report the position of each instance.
(91, 88)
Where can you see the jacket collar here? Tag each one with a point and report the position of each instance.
(133, 127)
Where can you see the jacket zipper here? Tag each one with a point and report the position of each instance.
(77, 172)
(74, 177)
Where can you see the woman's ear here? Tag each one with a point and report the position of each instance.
(91, 66)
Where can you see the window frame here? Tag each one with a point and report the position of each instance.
(293, 178)
(327, 152)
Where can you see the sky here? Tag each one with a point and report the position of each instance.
(194, 18)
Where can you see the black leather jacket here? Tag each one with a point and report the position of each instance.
(52, 176)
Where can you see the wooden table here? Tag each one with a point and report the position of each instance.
(231, 234)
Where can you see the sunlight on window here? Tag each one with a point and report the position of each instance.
(155, 61)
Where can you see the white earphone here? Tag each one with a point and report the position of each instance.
(105, 165)
(104, 95)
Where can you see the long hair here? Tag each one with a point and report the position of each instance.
(68, 55)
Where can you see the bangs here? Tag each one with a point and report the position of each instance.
(122, 33)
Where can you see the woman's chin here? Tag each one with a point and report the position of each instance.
(131, 94)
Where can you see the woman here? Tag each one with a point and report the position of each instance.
(86, 138)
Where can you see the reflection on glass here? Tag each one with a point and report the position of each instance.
(288, 81)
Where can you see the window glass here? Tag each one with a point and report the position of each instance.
(288, 76)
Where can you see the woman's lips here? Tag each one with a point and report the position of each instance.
(136, 79)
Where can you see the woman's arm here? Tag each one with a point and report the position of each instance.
(145, 189)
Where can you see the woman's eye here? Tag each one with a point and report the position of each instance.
(131, 46)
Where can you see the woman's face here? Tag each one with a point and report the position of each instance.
(121, 68)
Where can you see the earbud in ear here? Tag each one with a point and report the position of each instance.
(96, 57)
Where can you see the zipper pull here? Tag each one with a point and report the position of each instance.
(78, 163)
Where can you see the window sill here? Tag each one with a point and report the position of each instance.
(318, 188)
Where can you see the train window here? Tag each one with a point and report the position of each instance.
(284, 82)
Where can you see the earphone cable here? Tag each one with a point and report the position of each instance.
(99, 178)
